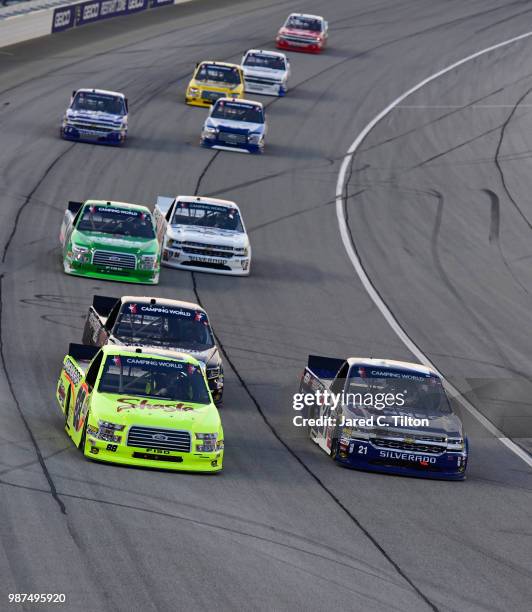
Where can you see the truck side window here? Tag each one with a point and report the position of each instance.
(111, 319)
(94, 368)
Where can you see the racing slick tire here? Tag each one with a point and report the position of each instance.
(84, 436)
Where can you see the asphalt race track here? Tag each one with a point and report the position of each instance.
(439, 209)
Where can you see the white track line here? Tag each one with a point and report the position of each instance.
(366, 281)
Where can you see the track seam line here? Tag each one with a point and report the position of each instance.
(36, 447)
(352, 253)
(40, 458)
(27, 200)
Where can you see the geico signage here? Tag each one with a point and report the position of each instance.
(62, 18)
(111, 7)
(91, 11)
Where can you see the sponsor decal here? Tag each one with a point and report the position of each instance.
(63, 18)
(237, 104)
(95, 10)
(132, 308)
(72, 371)
(103, 210)
(137, 403)
(422, 459)
(198, 316)
(205, 206)
(160, 451)
(61, 392)
(66, 17)
(117, 361)
(372, 373)
(164, 310)
(154, 363)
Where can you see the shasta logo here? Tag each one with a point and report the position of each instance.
(134, 403)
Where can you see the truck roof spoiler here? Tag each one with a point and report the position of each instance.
(82, 352)
(103, 304)
(73, 207)
(324, 367)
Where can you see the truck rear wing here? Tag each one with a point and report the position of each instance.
(319, 373)
(82, 352)
(74, 207)
(324, 367)
(103, 304)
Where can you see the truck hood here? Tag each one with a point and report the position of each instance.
(209, 357)
(133, 410)
(302, 33)
(440, 425)
(243, 127)
(115, 243)
(268, 73)
(214, 85)
(95, 116)
(208, 235)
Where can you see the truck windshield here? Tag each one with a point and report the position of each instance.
(237, 111)
(304, 23)
(207, 215)
(148, 377)
(218, 74)
(410, 393)
(92, 101)
(260, 60)
(117, 221)
(160, 325)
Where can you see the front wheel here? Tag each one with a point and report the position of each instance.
(83, 440)
(67, 409)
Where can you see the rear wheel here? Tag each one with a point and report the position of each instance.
(334, 449)
(334, 443)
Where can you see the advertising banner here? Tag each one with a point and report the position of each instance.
(64, 18)
(95, 10)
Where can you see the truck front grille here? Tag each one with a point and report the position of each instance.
(162, 439)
